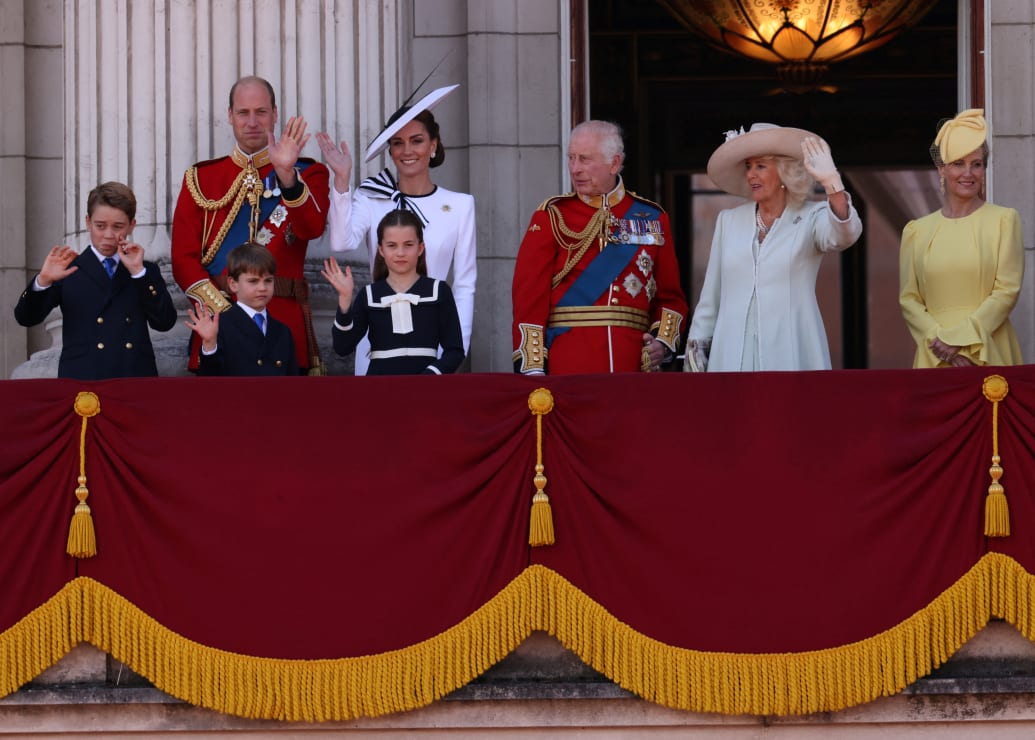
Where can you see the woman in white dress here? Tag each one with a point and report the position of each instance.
(758, 308)
(414, 144)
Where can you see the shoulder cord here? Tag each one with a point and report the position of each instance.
(247, 184)
(596, 228)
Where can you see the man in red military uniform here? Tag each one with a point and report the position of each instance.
(261, 192)
(596, 284)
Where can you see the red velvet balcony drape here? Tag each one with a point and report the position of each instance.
(301, 524)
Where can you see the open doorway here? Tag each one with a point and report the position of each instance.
(675, 96)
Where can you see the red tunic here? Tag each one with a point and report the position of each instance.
(287, 240)
(605, 338)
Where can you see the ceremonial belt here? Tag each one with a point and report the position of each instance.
(297, 289)
(573, 317)
(384, 354)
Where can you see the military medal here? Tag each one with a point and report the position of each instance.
(272, 188)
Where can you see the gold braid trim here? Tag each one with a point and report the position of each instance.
(246, 185)
(597, 228)
(537, 599)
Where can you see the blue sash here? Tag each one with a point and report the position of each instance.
(594, 281)
(238, 233)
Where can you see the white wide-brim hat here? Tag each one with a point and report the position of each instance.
(726, 165)
(403, 116)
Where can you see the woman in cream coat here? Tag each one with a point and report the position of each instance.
(758, 308)
(961, 267)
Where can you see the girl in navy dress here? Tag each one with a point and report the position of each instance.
(409, 316)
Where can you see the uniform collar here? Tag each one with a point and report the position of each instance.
(259, 160)
(613, 198)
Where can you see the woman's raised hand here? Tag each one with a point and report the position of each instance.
(339, 160)
(819, 163)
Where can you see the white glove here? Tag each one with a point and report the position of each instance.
(697, 351)
(820, 164)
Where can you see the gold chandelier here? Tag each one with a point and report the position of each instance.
(800, 36)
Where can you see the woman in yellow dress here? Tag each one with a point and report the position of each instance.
(961, 267)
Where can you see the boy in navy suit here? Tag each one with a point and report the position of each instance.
(245, 340)
(108, 294)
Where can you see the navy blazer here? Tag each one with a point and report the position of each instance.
(242, 348)
(104, 320)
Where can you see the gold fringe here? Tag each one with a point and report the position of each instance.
(793, 683)
(307, 690)
(997, 509)
(538, 599)
(540, 524)
(82, 541)
(40, 639)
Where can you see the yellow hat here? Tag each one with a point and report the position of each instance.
(961, 135)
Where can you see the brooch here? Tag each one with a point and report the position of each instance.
(279, 215)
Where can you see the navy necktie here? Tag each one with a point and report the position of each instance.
(109, 266)
(260, 321)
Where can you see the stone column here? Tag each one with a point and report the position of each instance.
(504, 136)
(1010, 81)
(145, 96)
(30, 157)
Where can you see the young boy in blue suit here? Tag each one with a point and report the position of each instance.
(245, 340)
(108, 294)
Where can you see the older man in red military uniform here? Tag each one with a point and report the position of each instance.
(261, 192)
(596, 284)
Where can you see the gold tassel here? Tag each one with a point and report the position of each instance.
(997, 509)
(540, 525)
(82, 541)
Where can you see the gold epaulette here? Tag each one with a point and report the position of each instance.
(543, 206)
(646, 200)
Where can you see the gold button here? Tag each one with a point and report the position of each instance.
(614, 301)
(129, 320)
(259, 362)
(614, 288)
(129, 345)
(100, 319)
(278, 363)
(100, 345)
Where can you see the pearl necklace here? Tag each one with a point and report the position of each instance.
(762, 228)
